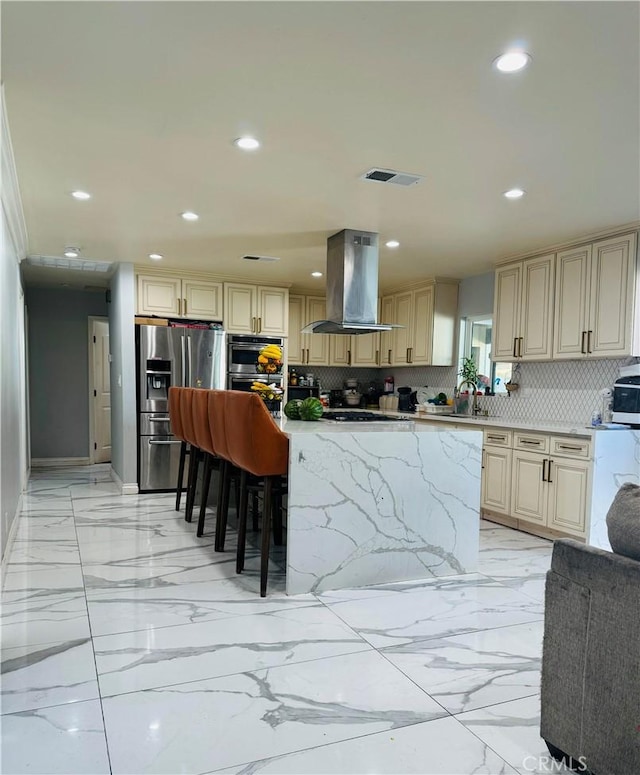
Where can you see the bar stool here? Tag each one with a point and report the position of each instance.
(217, 429)
(175, 416)
(259, 448)
(200, 415)
(186, 415)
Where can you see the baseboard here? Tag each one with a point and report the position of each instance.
(56, 462)
(9, 543)
(126, 488)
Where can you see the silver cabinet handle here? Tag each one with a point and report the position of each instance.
(153, 443)
(179, 307)
(185, 306)
(259, 325)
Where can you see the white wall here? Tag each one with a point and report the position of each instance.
(476, 295)
(124, 455)
(13, 416)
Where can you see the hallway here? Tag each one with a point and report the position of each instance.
(130, 646)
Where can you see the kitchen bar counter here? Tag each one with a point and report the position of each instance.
(371, 503)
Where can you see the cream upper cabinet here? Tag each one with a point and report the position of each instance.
(427, 316)
(172, 297)
(340, 349)
(256, 309)
(595, 290)
(202, 299)
(386, 337)
(307, 349)
(523, 310)
(365, 350)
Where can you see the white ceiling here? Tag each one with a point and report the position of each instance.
(138, 103)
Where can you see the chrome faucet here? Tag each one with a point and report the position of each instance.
(475, 409)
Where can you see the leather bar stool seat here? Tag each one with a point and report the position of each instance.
(175, 417)
(260, 449)
(186, 414)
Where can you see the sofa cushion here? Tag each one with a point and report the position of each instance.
(623, 521)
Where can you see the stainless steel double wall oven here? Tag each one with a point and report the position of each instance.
(242, 361)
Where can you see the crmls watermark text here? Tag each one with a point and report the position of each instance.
(549, 764)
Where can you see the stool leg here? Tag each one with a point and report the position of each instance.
(183, 454)
(222, 511)
(206, 483)
(266, 534)
(254, 511)
(242, 521)
(277, 519)
(191, 483)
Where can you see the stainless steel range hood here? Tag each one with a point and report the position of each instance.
(352, 286)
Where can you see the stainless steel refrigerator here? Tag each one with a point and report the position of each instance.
(166, 357)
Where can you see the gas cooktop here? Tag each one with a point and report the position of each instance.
(361, 417)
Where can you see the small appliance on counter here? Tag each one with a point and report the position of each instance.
(626, 396)
(336, 399)
(405, 402)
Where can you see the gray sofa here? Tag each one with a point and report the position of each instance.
(590, 702)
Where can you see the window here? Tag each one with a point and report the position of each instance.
(475, 342)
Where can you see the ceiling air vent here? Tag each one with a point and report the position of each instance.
(391, 176)
(260, 258)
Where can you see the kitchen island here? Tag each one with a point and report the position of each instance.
(371, 503)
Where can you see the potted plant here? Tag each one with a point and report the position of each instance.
(469, 371)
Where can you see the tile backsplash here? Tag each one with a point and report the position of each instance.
(562, 391)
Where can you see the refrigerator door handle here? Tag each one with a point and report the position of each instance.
(154, 443)
(184, 374)
(189, 361)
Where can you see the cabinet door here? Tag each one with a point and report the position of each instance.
(536, 315)
(365, 350)
(387, 312)
(340, 352)
(202, 300)
(402, 309)
(159, 296)
(240, 309)
(496, 479)
(317, 345)
(421, 346)
(528, 491)
(613, 266)
(506, 317)
(568, 495)
(297, 321)
(571, 302)
(273, 308)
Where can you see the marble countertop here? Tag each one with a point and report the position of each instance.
(404, 425)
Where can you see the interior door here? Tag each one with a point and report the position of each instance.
(101, 400)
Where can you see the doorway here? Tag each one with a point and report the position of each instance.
(99, 391)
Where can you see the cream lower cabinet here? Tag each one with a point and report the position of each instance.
(256, 309)
(569, 484)
(529, 490)
(175, 298)
(496, 471)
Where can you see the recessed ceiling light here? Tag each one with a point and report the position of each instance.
(247, 143)
(393, 243)
(155, 256)
(72, 252)
(80, 195)
(512, 61)
(189, 216)
(316, 274)
(514, 193)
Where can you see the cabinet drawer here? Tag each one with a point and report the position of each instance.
(533, 442)
(567, 446)
(497, 438)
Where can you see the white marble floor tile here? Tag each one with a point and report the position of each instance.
(100, 489)
(130, 532)
(43, 555)
(127, 508)
(45, 615)
(34, 580)
(500, 537)
(46, 504)
(428, 612)
(66, 739)
(116, 610)
(59, 525)
(47, 674)
(159, 657)
(141, 547)
(439, 747)
(470, 671)
(208, 725)
(512, 730)
(532, 586)
(507, 562)
(442, 583)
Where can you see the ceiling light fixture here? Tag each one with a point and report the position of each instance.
(72, 252)
(512, 61)
(155, 256)
(189, 216)
(393, 243)
(80, 195)
(247, 143)
(316, 274)
(514, 193)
